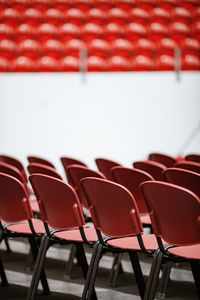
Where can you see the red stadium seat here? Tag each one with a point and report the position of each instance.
(103, 4)
(83, 5)
(122, 47)
(75, 16)
(168, 4)
(161, 15)
(165, 62)
(146, 4)
(190, 46)
(6, 31)
(99, 47)
(97, 16)
(196, 12)
(10, 16)
(29, 48)
(117, 15)
(139, 15)
(190, 63)
(145, 47)
(135, 31)
(166, 46)
(96, 64)
(118, 64)
(25, 31)
(196, 30)
(114, 31)
(69, 31)
(47, 64)
(4, 64)
(32, 16)
(70, 64)
(53, 48)
(91, 31)
(53, 16)
(157, 30)
(7, 49)
(181, 14)
(47, 31)
(74, 46)
(179, 30)
(142, 63)
(125, 4)
(22, 64)
(41, 5)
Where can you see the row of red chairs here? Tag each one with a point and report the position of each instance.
(98, 47)
(88, 31)
(97, 64)
(101, 4)
(115, 15)
(110, 204)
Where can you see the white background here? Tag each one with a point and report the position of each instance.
(121, 116)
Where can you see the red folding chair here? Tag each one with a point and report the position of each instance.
(63, 223)
(16, 218)
(40, 160)
(115, 214)
(167, 160)
(67, 161)
(105, 166)
(34, 168)
(16, 163)
(175, 213)
(153, 168)
(189, 165)
(185, 178)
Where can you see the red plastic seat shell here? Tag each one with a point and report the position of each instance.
(188, 252)
(24, 227)
(75, 236)
(131, 243)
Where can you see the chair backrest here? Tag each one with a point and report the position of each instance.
(154, 168)
(131, 179)
(113, 208)
(164, 159)
(39, 160)
(174, 212)
(16, 163)
(43, 169)
(14, 202)
(11, 170)
(193, 157)
(67, 161)
(185, 178)
(58, 202)
(189, 165)
(77, 172)
(105, 166)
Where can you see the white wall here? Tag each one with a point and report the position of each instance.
(118, 116)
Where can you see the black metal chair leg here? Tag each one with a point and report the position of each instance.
(34, 251)
(94, 273)
(156, 275)
(4, 281)
(117, 267)
(90, 270)
(151, 275)
(195, 266)
(165, 279)
(38, 267)
(84, 265)
(138, 273)
(7, 244)
(69, 264)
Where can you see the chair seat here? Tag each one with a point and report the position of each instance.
(145, 219)
(131, 243)
(188, 252)
(74, 235)
(24, 228)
